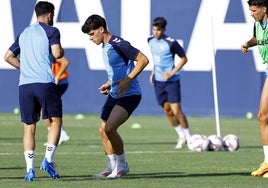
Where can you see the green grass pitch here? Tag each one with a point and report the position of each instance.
(149, 150)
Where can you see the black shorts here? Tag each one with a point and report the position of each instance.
(37, 96)
(129, 103)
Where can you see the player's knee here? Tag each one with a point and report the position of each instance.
(180, 113)
(167, 111)
(101, 131)
(262, 117)
(55, 120)
(109, 130)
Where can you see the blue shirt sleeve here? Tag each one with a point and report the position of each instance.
(124, 48)
(15, 48)
(177, 49)
(53, 34)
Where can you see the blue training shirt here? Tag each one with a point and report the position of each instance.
(163, 51)
(119, 57)
(33, 45)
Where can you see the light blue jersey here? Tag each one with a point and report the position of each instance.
(33, 45)
(119, 58)
(163, 51)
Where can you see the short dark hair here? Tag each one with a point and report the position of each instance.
(160, 22)
(94, 22)
(258, 3)
(43, 7)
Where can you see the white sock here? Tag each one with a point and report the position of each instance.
(29, 159)
(111, 161)
(265, 151)
(50, 151)
(121, 160)
(179, 130)
(187, 132)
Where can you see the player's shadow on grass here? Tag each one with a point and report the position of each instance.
(158, 175)
(11, 139)
(182, 174)
(251, 147)
(150, 143)
(4, 169)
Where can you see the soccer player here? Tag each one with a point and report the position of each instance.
(122, 89)
(59, 70)
(259, 11)
(37, 45)
(165, 77)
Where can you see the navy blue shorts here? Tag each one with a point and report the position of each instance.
(167, 92)
(129, 103)
(33, 97)
(62, 88)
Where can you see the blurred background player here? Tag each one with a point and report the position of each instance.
(37, 45)
(259, 11)
(59, 69)
(165, 77)
(122, 89)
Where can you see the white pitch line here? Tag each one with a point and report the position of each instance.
(129, 152)
(95, 153)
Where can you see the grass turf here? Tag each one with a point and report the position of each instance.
(149, 150)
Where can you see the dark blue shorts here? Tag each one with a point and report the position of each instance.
(62, 88)
(33, 97)
(129, 103)
(167, 92)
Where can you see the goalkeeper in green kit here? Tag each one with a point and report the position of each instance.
(259, 11)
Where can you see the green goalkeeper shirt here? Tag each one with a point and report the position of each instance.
(261, 34)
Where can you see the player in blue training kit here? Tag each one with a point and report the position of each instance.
(165, 77)
(122, 88)
(38, 45)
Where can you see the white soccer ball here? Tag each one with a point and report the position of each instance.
(215, 143)
(231, 142)
(198, 142)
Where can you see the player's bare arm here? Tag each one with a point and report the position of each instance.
(64, 63)
(180, 65)
(141, 62)
(252, 42)
(57, 51)
(12, 59)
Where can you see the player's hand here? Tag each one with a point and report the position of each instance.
(56, 81)
(167, 75)
(123, 86)
(104, 89)
(244, 48)
(151, 79)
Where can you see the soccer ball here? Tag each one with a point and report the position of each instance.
(198, 142)
(231, 142)
(215, 143)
